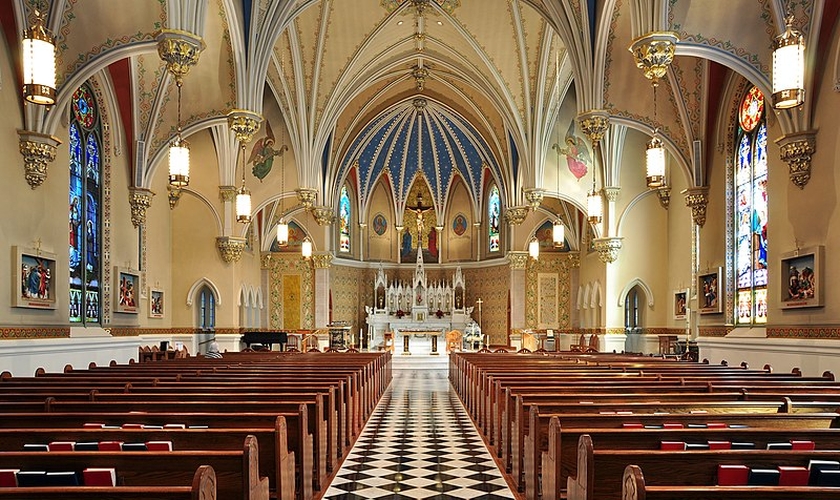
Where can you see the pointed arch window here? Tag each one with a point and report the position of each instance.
(85, 208)
(494, 210)
(206, 309)
(344, 220)
(751, 210)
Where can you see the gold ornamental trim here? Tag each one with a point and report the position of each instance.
(517, 260)
(324, 215)
(227, 193)
(594, 124)
(796, 150)
(38, 151)
(179, 50)
(697, 199)
(534, 196)
(230, 248)
(654, 52)
(607, 248)
(140, 199)
(322, 260)
(244, 124)
(306, 197)
(515, 215)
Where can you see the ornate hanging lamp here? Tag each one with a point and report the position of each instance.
(558, 231)
(179, 153)
(243, 195)
(655, 153)
(789, 67)
(534, 248)
(306, 248)
(282, 225)
(38, 54)
(594, 204)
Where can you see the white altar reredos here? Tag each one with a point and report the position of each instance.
(418, 309)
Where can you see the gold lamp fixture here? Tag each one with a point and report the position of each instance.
(179, 153)
(655, 153)
(38, 54)
(789, 67)
(243, 195)
(594, 204)
(282, 225)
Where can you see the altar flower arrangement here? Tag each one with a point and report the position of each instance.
(400, 313)
(439, 313)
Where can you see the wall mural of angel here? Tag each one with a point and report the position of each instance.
(263, 153)
(577, 153)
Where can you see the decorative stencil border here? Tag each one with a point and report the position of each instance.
(804, 332)
(35, 333)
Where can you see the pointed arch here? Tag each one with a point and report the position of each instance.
(629, 286)
(597, 297)
(203, 281)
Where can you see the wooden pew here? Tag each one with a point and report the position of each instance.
(634, 488)
(276, 461)
(299, 440)
(236, 470)
(559, 462)
(203, 487)
(599, 472)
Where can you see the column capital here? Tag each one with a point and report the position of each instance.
(594, 124)
(38, 151)
(324, 215)
(611, 193)
(244, 124)
(608, 248)
(654, 52)
(179, 50)
(140, 200)
(306, 196)
(174, 196)
(227, 193)
(697, 198)
(230, 248)
(664, 195)
(534, 196)
(796, 150)
(517, 260)
(515, 215)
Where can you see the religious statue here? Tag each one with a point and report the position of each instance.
(419, 211)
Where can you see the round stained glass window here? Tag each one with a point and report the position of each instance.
(752, 109)
(83, 107)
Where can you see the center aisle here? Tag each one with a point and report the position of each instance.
(419, 444)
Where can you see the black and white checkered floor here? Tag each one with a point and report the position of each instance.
(419, 444)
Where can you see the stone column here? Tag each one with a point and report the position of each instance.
(518, 262)
(322, 262)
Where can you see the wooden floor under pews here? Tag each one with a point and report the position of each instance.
(607, 426)
(254, 425)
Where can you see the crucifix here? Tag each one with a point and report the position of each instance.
(419, 210)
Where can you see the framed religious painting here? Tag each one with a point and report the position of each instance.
(126, 290)
(680, 303)
(708, 291)
(802, 277)
(155, 303)
(34, 285)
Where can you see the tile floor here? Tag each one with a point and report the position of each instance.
(419, 444)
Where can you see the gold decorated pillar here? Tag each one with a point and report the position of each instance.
(518, 263)
(796, 150)
(38, 151)
(140, 199)
(322, 262)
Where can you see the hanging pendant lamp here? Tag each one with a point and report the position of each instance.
(38, 54)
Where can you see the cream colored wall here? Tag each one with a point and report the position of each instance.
(381, 248)
(458, 248)
(158, 255)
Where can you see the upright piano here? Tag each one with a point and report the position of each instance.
(264, 338)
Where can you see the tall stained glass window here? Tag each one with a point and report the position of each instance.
(494, 210)
(85, 208)
(751, 211)
(344, 220)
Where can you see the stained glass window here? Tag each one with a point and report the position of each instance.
(344, 220)
(494, 210)
(750, 208)
(85, 208)
(206, 309)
